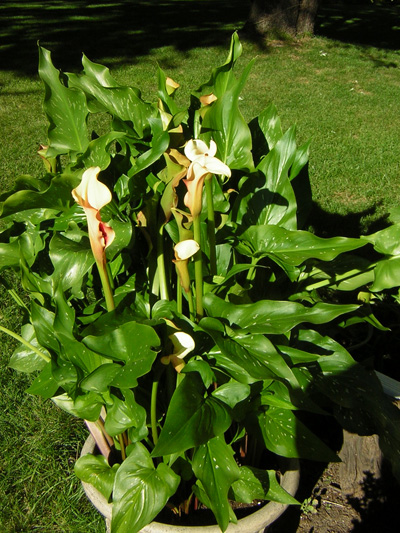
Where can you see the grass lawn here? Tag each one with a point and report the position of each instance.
(340, 88)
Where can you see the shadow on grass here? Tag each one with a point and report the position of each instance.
(120, 30)
(361, 23)
(351, 224)
(111, 29)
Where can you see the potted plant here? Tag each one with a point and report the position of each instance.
(176, 303)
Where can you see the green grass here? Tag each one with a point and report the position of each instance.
(342, 95)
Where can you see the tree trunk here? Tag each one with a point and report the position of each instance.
(277, 18)
(307, 13)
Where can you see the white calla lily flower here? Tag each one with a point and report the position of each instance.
(183, 344)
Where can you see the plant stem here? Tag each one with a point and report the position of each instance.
(198, 269)
(26, 343)
(192, 315)
(161, 265)
(179, 297)
(251, 271)
(105, 282)
(121, 443)
(211, 224)
(153, 411)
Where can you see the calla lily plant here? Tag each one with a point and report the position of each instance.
(177, 301)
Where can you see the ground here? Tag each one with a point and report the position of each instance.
(326, 509)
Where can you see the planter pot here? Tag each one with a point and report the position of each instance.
(254, 523)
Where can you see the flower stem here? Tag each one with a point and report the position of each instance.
(122, 444)
(192, 315)
(251, 271)
(162, 278)
(211, 225)
(179, 297)
(153, 411)
(26, 343)
(198, 269)
(105, 282)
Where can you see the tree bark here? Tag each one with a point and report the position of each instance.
(307, 14)
(277, 18)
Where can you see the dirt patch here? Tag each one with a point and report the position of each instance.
(326, 509)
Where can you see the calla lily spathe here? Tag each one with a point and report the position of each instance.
(92, 195)
(183, 344)
(203, 163)
(184, 250)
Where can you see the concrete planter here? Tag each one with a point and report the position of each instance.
(254, 523)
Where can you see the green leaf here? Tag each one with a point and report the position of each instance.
(56, 197)
(293, 247)
(71, 260)
(232, 393)
(100, 379)
(270, 125)
(78, 354)
(126, 414)
(222, 77)
(94, 469)
(191, 419)
(159, 144)
(131, 342)
(215, 467)
(249, 357)
(140, 491)
(24, 359)
(9, 255)
(122, 102)
(386, 241)
(43, 322)
(285, 435)
(86, 406)
(98, 153)
(272, 316)
(66, 111)
(44, 384)
(230, 130)
(386, 274)
(256, 484)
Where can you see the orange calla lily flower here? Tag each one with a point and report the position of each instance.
(92, 195)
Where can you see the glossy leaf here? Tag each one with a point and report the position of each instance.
(232, 393)
(191, 419)
(94, 469)
(71, 260)
(23, 358)
(100, 379)
(122, 102)
(386, 274)
(66, 110)
(293, 247)
(253, 355)
(140, 491)
(231, 133)
(131, 342)
(285, 435)
(386, 241)
(98, 154)
(56, 197)
(256, 484)
(216, 469)
(271, 316)
(44, 384)
(125, 414)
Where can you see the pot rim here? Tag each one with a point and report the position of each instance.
(256, 521)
